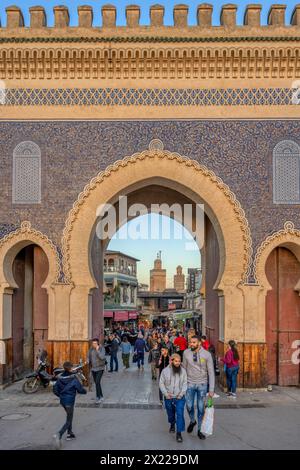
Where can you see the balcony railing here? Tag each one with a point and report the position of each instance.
(115, 269)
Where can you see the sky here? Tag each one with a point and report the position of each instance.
(174, 251)
(145, 4)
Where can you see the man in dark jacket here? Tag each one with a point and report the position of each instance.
(140, 347)
(97, 361)
(66, 388)
(114, 348)
(163, 362)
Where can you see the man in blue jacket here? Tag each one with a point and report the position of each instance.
(139, 348)
(66, 388)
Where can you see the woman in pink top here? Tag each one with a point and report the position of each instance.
(232, 365)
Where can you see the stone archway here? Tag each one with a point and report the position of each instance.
(277, 268)
(230, 224)
(10, 246)
(288, 237)
(18, 239)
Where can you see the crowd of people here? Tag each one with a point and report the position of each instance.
(183, 364)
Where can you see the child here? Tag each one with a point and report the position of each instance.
(153, 359)
(66, 388)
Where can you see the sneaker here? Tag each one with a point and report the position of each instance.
(201, 435)
(71, 436)
(191, 427)
(233, 395)
(179, 437)
(57, 441)
(110, 371)
(172, 428)
(99, 400)
(228, 394)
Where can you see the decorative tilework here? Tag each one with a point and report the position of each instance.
(149, 97)
(238, 151)
(5, 229)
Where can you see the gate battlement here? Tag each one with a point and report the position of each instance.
(228, 51)
(228, 21)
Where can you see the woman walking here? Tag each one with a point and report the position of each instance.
(232, 364)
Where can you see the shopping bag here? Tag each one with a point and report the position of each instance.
(134, 357)
(208, 419)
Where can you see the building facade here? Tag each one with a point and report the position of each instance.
(120, 287)
(208, 114)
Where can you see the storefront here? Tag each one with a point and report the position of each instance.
(121, 317)
(187, 320)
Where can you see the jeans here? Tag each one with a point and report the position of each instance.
(200, 391)
(69, 409)
(97, 376)
(231, 377)
(114, 359)
(175, 412)
(125, 358)
(140, 358)
(154, 370)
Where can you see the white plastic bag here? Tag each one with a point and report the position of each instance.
(208, 421)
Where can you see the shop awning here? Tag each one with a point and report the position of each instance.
(121, 315)
(108, 314)
(183, 315)
(132, 315)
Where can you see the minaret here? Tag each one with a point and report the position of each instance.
(179, 280)
(158, 276)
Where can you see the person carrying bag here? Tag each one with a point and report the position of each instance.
(208, 418)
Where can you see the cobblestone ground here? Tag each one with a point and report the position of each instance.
(131, 417)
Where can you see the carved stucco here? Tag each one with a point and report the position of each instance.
(13, 242)
(288, 237)
(181, 164)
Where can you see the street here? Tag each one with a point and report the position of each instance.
(131, 418)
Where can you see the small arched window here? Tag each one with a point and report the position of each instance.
(286, 173)
(26, 174)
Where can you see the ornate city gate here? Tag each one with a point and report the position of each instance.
(79, 108)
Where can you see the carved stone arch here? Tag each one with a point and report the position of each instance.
(230, 217)
(15, 241)
(289, 238)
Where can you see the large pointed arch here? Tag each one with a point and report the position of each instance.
(230, 222)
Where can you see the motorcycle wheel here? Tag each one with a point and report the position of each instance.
(31, 385)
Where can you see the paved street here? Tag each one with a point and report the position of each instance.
(131, 418)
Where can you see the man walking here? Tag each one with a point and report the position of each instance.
(153, 359)
(199, 367)
(173, 385)
(97, 361)
(65, 389)
(140, 348)
(114, 348)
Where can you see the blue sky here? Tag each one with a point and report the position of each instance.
(169, 4)
(174, 251)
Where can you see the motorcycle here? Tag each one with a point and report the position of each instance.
(40, 377)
